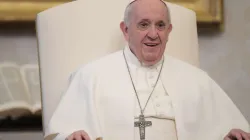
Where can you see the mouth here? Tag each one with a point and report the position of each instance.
(151, 44)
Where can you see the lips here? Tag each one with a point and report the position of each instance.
(151, 44)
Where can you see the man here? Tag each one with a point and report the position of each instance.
(138, 93)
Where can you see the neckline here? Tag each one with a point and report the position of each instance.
(132, 59)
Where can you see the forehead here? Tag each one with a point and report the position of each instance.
(150, 9)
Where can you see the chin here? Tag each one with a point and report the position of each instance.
(151, 57)
(151, 61)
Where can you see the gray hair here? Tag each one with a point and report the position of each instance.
(129, 8)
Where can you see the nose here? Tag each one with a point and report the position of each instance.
(152, 33)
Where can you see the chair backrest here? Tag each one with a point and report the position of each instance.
(74, 33)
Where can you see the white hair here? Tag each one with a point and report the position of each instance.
(128, 10)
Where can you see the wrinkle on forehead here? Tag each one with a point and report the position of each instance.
(135, 2)
(133, 5)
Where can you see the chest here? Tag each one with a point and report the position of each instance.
(153, 97)
(120, 93)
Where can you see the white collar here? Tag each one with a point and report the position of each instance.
(131, 58)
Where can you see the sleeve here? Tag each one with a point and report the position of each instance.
(76, 110)
(225, 110)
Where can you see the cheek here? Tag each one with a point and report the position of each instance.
(140, 36)
(164, 39)
(163, 36)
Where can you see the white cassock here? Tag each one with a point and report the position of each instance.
(186, 104)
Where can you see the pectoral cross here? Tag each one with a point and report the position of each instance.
(142, 124)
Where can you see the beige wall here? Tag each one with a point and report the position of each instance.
(224, 56)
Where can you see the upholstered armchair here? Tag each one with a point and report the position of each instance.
(74, 33)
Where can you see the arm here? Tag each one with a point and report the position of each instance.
(76, 110)
(232, 120)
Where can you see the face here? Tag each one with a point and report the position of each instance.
(148, 31)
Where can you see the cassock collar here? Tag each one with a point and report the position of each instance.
(131, 58)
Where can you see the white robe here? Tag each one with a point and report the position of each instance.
(100, 100)
(159, 108)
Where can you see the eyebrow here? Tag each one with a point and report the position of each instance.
(147, 20)
(144, 20)
(161, 21)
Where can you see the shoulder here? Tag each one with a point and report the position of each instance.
(186, 70)
(192, 78)
(177, 63)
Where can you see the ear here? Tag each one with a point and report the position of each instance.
(124, 30)
(170, 28)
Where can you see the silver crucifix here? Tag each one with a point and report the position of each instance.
(142, 124)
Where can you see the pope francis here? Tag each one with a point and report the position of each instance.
(139, 93)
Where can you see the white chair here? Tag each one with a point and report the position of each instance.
(74, 33)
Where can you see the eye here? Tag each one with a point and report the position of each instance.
(161, 25)
(143, 25)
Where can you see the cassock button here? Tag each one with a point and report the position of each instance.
(151, 76)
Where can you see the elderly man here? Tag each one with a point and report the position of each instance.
(140, 94)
